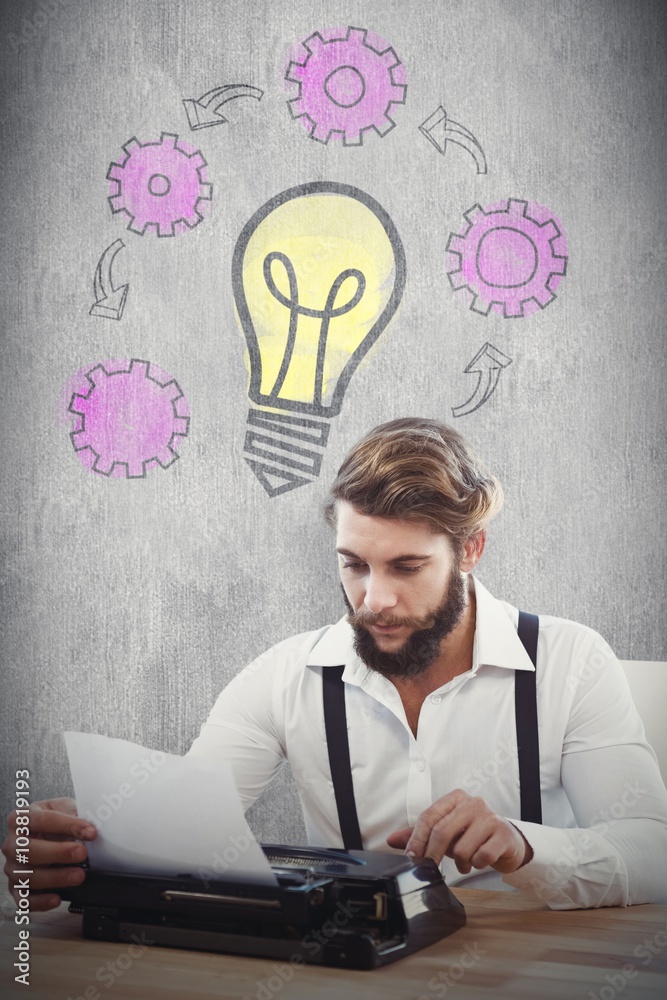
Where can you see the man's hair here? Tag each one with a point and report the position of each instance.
(419, 470)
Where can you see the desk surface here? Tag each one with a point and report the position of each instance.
(509, 948)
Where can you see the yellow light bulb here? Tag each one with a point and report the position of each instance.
(317, 274)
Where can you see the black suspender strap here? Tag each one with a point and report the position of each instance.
(527, 738)
(335, 724)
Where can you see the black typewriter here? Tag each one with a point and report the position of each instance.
(351, 909)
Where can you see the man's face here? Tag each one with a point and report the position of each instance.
(403, 587)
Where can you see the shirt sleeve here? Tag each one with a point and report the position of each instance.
(617, 855)
(242, 728)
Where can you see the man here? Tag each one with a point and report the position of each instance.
(402, 722)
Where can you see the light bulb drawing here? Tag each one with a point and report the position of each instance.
(317, 274)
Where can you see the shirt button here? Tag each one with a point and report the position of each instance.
(421, 764)
(436, 699)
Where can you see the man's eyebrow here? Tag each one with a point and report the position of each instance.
(408, 557)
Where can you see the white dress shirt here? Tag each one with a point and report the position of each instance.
(603, 841)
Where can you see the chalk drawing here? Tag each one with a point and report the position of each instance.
(509, 259)
(348, 82)
(161, 186)
(317, 274)
(205, 112)
(130, 417)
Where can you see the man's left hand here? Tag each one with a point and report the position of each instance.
(467, 830)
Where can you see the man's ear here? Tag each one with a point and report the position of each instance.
(472, 550)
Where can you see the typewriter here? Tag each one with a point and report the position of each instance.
(350, 909)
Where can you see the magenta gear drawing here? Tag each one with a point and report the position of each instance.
(346, 86)
(511, 257)
(160, 184)
(128, 420)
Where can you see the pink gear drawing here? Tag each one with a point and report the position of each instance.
(128, 420)
(346, 85)
(161, 184)
(511, 257)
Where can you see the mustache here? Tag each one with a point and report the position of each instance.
(365, 618)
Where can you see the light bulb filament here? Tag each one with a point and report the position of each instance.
(330, 311)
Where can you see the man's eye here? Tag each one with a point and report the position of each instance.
(353, 565)
(408, 569)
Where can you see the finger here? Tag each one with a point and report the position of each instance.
(46, 902)
(56, 852)
(52, 878)
(510, 849)
(48, 821)
(471, 848)
(400, 838)
(66, 804)
(421, 833)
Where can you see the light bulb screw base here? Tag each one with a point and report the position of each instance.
(271, 441)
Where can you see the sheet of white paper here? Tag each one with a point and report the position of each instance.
(159, 814)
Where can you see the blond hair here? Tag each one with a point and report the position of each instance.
(419, 470)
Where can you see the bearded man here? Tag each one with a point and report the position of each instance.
(434, 719)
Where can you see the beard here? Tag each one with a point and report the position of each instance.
(422, 647)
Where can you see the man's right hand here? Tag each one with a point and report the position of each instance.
(55, 830)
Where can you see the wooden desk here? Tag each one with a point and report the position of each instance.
(509, 949)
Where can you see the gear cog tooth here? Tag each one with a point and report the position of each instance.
(158, 184)
(80, 439)
(456, 244)
(543, 297)
(295, 72)
(138, 368)
(457, 280)
(384, 125)
(550, 230)
(512, 308)
(78, 404)
(335, 92)
(513, 267)
(296, 107)
(479, 306)
(473, 214)
(138, 226)
(399, 90)
(517, 207)
(166, 457)
(321, 133)
(389, 58)
(313, 44)
(102, 465)
(131, 146)
(97, 376)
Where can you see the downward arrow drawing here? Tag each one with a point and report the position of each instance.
(204, 112)
(439, 130)
(488, 363)
(109, 301)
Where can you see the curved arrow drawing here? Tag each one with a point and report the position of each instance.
(439, 130)
(489, 362)
(204, 112)
(109, 301)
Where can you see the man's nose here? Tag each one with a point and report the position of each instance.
(380, 594)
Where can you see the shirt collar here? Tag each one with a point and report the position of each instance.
(496, 643)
